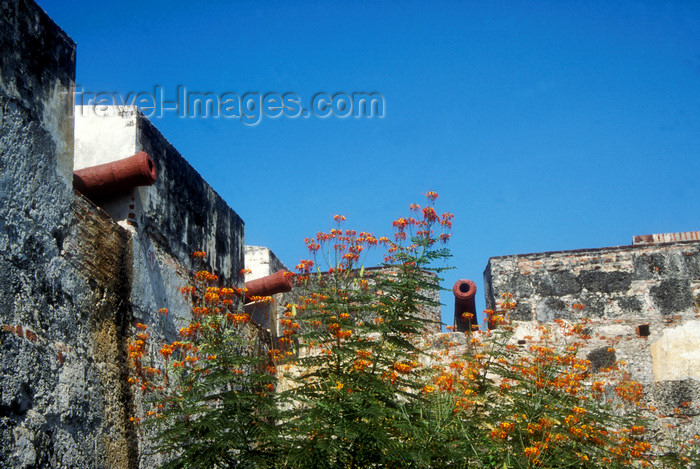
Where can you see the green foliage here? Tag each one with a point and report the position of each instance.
(356, 376)
(210, 395)
(354, 382)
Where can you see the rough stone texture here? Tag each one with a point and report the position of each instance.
(645, 281)
(51, 405)
(99, 249)
(602, 357)
(37, 74)
(643, 300)
(74, 278)
(672, 295)
(675, 394)
(165, 223)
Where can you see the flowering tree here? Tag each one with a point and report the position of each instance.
(209, 397)
(356, 381)
(356, 375)
(536, 404)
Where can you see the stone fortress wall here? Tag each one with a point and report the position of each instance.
(76, 274)
(644, 300)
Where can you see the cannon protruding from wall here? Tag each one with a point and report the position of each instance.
(121, 176)
(465, 291)
(266, 286)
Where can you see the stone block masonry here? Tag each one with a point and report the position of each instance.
(644, 300)
(642, 281)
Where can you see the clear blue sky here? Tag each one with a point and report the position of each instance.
(542, 125)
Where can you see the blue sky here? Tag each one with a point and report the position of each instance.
(542, 125)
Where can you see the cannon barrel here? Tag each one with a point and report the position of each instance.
(465, 291)
(269, 285)
(98, 182)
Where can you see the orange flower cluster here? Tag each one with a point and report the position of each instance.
(493, 320)
(361, 364)
(304, 266)
(137, 348)
(404, 367)
(187, 291)
(549, 372)
(424, 234)
(167, 350)
(261, 299)
(206, 275)
(629, 391)
(238, 318)
(190, 331)
(344, 247)
(199, 312)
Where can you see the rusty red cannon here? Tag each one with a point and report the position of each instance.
(465, 291)
(104, 180)
(266, 286)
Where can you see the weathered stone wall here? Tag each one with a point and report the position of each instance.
(74, 278)
(650, 281)
(165, 223)
(181, 212)
(100, 251)
(644, 301)
(52, 397)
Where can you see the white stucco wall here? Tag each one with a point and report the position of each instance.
(676, 354)
(104, 134)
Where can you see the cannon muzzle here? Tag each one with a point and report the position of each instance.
(104, 180)
(465, 291)
(269, 285)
